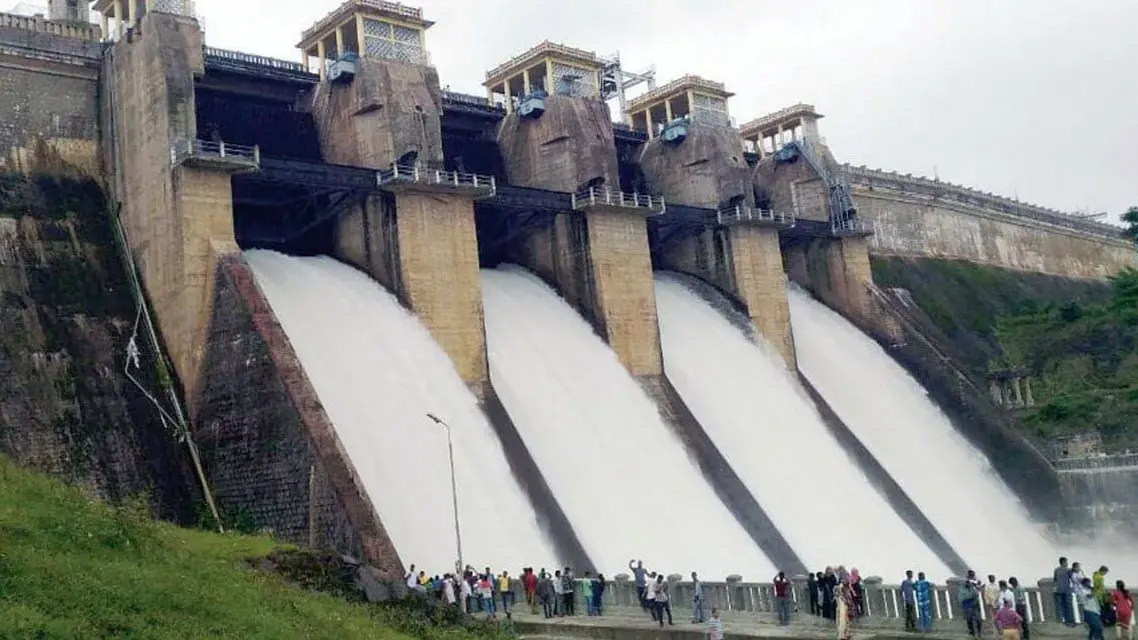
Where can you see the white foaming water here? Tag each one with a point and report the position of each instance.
(378, 372)
(621, 476)
(949, 479)
(760, 417)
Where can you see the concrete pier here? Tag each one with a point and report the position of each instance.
(558, 135)
(382, 110)
(694, 156)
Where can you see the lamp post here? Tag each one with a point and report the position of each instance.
(453, 490)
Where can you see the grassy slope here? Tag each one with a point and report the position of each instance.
(1067, 333)
(71, 566)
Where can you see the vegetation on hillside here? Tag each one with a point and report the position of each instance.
(1083, 359)
(74, 567)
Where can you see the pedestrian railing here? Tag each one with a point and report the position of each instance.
(420, 175)
(882, 603)
(218, 153)
(594, 197)
(744, 214)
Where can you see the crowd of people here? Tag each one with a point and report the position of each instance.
(834, 594)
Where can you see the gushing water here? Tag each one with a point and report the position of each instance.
(619, 473)
(760, 417)
(378, 373)
(889, 411)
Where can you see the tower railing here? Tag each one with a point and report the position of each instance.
(746, 214)
(852, 226)
(421, 174)
(214, 152)
(592, 197)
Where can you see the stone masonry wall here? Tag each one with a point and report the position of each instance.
(705, 170)
(925, 226)
(67, 315)
(48, 101)
(267, 445)
(760, 284)
(438, 270)
(570, 145)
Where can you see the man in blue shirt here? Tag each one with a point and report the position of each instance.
(1063, 593)
(640, 576)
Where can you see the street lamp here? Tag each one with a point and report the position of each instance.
(453, 490)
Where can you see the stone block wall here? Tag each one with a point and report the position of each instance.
(67, 313)
(760, 283)
(625, 294)
(48, 99)
(439, 279)
(705, 170)
(390, 108)
(559, 254)
(268, 447)
(178, 221)
(570, 145)
(920, 225)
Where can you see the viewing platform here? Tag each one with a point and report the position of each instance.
(687, 99)
(417, 178)
(852, 227)
(221, 156)
(742, 214)
(608, 201)
(767, 134)
(548, 68)
(368, 29)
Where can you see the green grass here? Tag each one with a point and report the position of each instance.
(74, 567)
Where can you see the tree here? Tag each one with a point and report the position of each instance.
(1130, 218)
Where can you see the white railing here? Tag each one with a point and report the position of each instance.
(741, 213)
(593, 197)
(249, 58)
(183, 150)
(1093, 463)
(847, 226)
(466, 98)
(421, 174)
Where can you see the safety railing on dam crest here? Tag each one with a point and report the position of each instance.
(600, 197)
(745, 214)
(404, 176)
(883, 602)
(220, 155)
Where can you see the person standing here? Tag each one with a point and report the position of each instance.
(1019, 596)
(663, 605)
(782, 598)
(1098, 583)
(812, 592)
(506, 588)
(599, 594)
(715, 626)
(1062, 578)
(529, 581)
(486, 592)
(844, 599)
(640, 577)
(1124, 610)
(1092, 611)
(969, 598)
(696, 599)
(1007, 622)
(587, 594)
(448, 590)
(909, 597)
(650, 596)
(559, 594)
(924, 591)
(991, 595)
(546, 594)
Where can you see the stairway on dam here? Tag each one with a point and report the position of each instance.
(421, 194)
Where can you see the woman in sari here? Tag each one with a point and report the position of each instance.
(845, 611)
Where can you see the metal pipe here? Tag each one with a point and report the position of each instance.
(453, 490)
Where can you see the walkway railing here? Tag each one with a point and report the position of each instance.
(419, 174)
(852, 226)
(466, 98)
(602, 197)
(1095, 463)
(249, 58)
(882, 602)
(89, 33)
(741, 213)
(221, 152)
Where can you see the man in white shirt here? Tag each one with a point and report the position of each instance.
(650, 595)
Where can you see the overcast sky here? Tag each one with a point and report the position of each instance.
(1035, 98)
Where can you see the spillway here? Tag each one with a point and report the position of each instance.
(378, 372)
(889, 411)
(772, 435)
(622, 477)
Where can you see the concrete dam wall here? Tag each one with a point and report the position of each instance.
(420, 189)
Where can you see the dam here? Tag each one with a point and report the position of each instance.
(527, 328)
